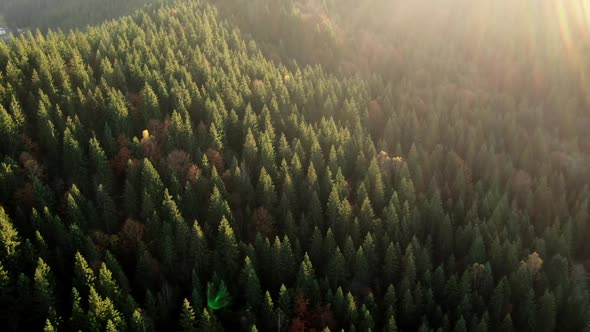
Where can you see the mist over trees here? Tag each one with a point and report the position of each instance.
(295, 166)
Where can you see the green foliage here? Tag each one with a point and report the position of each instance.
(398, 184)
(102, 313)
(250, 285)
(187, 317)
(9, 239)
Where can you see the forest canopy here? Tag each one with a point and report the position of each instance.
(295, 166)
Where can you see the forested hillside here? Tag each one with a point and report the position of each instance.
(202, 168)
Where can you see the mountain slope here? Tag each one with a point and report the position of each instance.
(149, 162)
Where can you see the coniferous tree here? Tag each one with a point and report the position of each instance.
(9, 239)
(545, 313)
(187, 317)
(419, 198)
(250, 284)
(227, 250)
(152, 189)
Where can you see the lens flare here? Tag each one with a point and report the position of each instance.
(573, 19)
(217, 297)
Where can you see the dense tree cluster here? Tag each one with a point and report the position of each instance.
(153, 160)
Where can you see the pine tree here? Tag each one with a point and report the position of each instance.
(351, 309)
(227, 250)
(44, 292)
(152, 189)
(366, 320)
(83, 275)
(390, 298)
(305, 276)
(267, 154)
(102, 311)
(498, 301)
(218, 208)
(73, 161)
(215, 140)
(99, 167)
(286, 260)
(361, 267)
(9, 238)
(546, 320)
(266, 190)
(332, 208)
(370, 249)
(187, 317)
(48, 326)
(506, 324)
(78, 318)
(149, 107)
(267, 312)
(252, 291)
(525, 313)
(250, 152)
(207, 322)
(9, 132)
(409, 267)
(336, 269)
(138, 322)
(106, 285)
(460, 326)
(197, 248)
(408, 309)
(6, 298)
(377, 191)
(47, 133)
(391, 324)
(285, 302)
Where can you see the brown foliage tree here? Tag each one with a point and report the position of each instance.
(30, 166)
(119, 162)
(130, 235)
(301, 305)
(150, 147)
(180, 163)
(31, 146)
(297, 325)
(216, 159)
(262, 221)
(159, 128)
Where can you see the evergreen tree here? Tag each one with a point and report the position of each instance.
(336, 269)
(391, 324)
(266, 190)
(545, 314)
(78, 318)
(43, 289)
(267, 312)
(227, 250)
(250, 285)
(284, 301)
(187, 317)
(9, 238)
(305, 276)
(152, 189)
